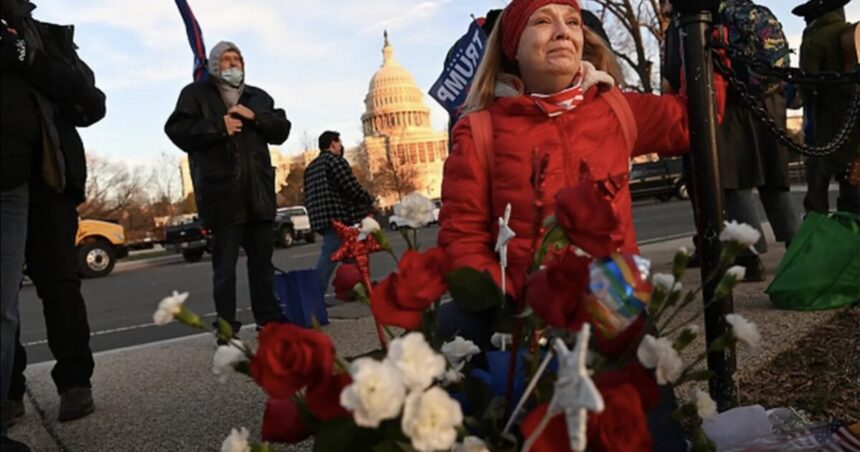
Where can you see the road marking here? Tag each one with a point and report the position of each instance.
(666, 238)
(123, 329)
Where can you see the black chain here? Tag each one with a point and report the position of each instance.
(791, 75)
(758, 110)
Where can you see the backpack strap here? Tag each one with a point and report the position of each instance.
(622, 111)
(481, 123)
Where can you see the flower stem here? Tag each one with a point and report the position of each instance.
(341, 364)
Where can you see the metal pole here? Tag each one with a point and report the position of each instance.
(709, 193)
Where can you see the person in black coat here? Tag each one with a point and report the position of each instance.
(51, 91)
(225, 126)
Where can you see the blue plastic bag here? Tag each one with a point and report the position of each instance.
(299, 294)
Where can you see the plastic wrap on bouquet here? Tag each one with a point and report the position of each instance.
(620, 291)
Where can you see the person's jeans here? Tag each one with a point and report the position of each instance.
(257, 239)
(819, 173)
(325, 267)
(13, 237)
(781, 213)
(52, 265)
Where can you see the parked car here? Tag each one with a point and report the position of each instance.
(100, 244)
(395, 222)
(284, 230)
(663, 179)
(293, 222)
(188, 237)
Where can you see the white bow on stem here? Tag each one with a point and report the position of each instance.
(506, 234)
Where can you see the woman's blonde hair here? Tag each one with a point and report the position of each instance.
(495, 68)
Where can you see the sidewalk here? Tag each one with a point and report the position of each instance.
(164, 397)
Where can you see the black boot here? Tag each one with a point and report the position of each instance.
(754, 268)
(12, 410)
(76, 403)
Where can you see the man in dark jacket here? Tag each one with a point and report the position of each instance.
(47, 93)
(225, 126)
(821, 51)
(332, 193)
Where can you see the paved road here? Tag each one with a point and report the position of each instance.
(121, 305)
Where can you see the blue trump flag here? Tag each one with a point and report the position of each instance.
(195, 39)
(460, 68)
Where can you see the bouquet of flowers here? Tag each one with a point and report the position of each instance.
(578, 357)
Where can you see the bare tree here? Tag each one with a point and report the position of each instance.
(292, 194)
(112, 188)
(636, 30)
(395, 178)
(308, 142)
(165, 184)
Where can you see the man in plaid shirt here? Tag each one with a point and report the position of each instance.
(332, 193)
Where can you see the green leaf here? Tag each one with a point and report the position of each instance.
(473, 290)
(336, 435)
(360, 293)
(554, 238)
(388, 445)
(382, 238)
(477, 393)
(684, 339)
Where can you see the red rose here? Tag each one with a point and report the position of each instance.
(323, 400)
(401, 298)
(589, 217)
(635, 375)
(621, 426)
(556, 292)
(554, 436)
(616, 346)
(345, 278)
(282, 422)
(289, 358)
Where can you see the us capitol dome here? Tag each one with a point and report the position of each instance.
(398, 137)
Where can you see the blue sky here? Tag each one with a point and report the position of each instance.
(315, 58)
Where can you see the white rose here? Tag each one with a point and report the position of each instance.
(666, 282)
(376, 393)
(237, 441)
(416, 209)
(705, 405)
(454, 375)
(745, 332)
(430, 419)
(471, 444)
(501, 340)
(368, 227)
(169, 307)
(741, 233)
(225, 358)
(417, 362)
(459, 350)
(657, 353)
(737, 272)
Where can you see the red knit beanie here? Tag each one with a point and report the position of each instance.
(515, 18)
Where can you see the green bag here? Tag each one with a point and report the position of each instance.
(821, 268)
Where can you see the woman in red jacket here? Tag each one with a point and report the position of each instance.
(541, 97)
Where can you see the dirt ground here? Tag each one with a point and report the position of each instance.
(820, 376)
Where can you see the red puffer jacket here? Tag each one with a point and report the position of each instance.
(590, 133)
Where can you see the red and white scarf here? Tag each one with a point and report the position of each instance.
(562, 101)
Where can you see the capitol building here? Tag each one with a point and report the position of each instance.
(398, 137)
